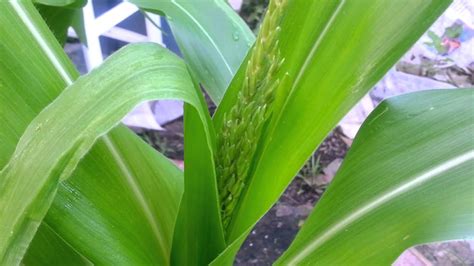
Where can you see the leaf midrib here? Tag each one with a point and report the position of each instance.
(67, 243)
(378, 201)
(137, 192)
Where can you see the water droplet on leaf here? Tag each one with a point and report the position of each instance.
(236, 36)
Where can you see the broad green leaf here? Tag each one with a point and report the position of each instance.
(407, 180)
(125, 232)
(120, 204)
(29, 80)
(46, 241)
(62, 134)
(334, 51)
(58, 138)
(212, 37)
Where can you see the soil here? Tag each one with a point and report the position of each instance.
(276, 230)
(169, 142)
(448, 253)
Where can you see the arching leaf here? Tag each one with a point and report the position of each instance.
(212, 37)
(407, 180)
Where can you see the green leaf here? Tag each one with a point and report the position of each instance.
(30, 79)
(406, 180)
(212, 37)
(58, 138)
(121, 203)
(213, 58)
(94, 191)
(46, 241)
(62, 3)
(58, 19)
(59, 15)
(79, 27)
(334, 51)
(199, 236)
(227, 256)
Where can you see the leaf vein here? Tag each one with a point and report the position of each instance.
(378, 201)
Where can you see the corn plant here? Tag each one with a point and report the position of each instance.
(76, 187)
